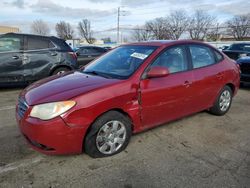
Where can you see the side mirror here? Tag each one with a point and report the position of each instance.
(157, 71)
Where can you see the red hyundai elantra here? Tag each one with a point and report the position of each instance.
(131, 88)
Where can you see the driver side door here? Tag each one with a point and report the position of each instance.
(167, 98)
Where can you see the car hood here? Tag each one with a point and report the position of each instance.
(63, 87)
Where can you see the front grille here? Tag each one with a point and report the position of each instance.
(245, 68)
(22, 107)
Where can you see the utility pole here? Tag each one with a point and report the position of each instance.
(118, 25)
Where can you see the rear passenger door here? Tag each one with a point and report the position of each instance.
(208, 75)
(11, 55)
(39, 57)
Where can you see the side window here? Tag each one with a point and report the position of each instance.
(94, 51)
(201, 56)
(247, 47)
(84, 51)
(8, 44)
(37, 43)
(218, 56)
(175, 59)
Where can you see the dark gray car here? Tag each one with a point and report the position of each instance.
(86, 54)
(26, 58)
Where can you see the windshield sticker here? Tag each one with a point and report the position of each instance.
(139, 56)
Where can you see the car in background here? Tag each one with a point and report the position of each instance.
(244, 64)
(132, 88)
(237, 50)
(223, 47)
(25, 58)
(86, 54)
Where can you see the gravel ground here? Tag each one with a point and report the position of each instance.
(198, 151)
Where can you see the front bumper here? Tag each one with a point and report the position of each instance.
(53, 136)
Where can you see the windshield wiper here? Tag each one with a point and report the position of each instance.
(98, 74)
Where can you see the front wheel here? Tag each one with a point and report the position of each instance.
(223, 102)
(109, 135)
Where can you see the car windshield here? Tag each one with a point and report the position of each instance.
(240, 47)
(121, 62)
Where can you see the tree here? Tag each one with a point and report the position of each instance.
(64, 30)
(40, 27)
(214, 34)
(85, 31)
(200, 23)
(239, 26)
(176, 24)
(141, 34)
(158, 28)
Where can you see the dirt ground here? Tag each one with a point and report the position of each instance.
(198, 151)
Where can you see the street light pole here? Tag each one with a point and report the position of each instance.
(118, 25)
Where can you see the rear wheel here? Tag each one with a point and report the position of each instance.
(223, 102)
(109, 135)
(60, 70)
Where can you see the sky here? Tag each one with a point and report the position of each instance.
(103, 13)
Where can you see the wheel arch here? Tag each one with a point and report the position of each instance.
(121, 111)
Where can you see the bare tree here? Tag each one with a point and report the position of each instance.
(176, 24)
(239, 26)
(200, 23)
(64, 30)
(158, 28)
(85, 31)
(214, 33)
(141, 34)
(40, 27)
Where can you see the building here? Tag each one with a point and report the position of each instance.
(7, 29)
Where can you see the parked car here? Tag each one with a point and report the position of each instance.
(86, 54)
(237, 50)
(130, 89)
(244, 64)
(223, 47)
(26, 58)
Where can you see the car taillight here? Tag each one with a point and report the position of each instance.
(73, 55)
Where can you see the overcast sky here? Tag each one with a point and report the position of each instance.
(103, 13)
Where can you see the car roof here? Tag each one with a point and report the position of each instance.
(166, 42)
(31, 35)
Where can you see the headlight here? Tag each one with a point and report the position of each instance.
(51, 110)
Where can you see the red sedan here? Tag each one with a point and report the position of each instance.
(129, 89)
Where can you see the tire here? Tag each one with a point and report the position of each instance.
(108, 135)
(60, 70)
(223, 102)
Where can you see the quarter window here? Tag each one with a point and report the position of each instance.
(174, 59)
(10, 44)
(201, 56)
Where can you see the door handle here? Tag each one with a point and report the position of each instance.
(15, 57)
(89, 55)
(187, 83)
(219, 75)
